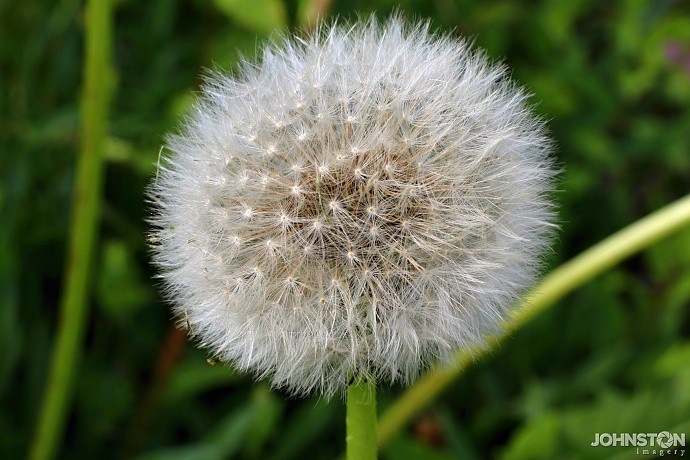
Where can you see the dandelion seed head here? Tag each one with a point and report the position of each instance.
(360, 202)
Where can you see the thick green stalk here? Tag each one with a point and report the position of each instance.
(361, 420)
(557, 284)
(84, 225)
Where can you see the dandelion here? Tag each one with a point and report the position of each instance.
(358, 204)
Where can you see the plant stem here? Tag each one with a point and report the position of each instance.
(555, 286)
(168, 357)
(311, 12)
(361, 420)
(83, 232)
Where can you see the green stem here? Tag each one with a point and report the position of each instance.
(83, 232)
(556, 285)
(361, 420)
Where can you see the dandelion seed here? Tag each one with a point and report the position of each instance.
(420, 192)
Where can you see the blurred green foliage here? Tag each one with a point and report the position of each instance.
(612, 78)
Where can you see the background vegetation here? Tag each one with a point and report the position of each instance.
(613, 78)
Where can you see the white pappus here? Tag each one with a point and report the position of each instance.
(360, 202)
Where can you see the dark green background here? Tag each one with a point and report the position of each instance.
(612, 78)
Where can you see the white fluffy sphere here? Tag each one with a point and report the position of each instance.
(361, 202)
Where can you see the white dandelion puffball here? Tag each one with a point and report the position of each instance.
(358, 203)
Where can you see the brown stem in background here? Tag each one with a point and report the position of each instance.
(168, 356)
(313, 13)
(174, 343)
